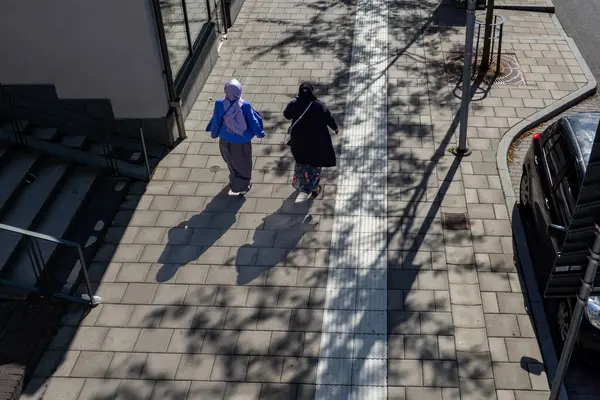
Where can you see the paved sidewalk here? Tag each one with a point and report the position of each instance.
(206, 296)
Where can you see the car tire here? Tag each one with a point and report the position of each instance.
(524, 190)
(562, 313)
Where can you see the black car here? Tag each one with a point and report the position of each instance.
(553, 171)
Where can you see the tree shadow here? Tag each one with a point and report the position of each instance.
(190, 239)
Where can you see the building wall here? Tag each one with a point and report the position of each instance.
(88, 49)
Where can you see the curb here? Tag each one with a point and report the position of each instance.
(548, 8)
(520, 241)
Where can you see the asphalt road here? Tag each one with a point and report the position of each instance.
(581, 21)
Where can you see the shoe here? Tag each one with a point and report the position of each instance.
(316, 192)
(242, 193)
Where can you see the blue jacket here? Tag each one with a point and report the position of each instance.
(253, 120)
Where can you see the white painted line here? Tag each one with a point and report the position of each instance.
(353, 355)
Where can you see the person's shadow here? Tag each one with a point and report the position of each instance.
(191, 238)
(290, 222)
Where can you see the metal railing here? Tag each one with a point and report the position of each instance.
(18, 129)
(40, 271)
(98, 128)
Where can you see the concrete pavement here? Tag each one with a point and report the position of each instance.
(388, 291)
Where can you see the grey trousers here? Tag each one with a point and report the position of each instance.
(238, 157)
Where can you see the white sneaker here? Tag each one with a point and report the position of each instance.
(242, 193)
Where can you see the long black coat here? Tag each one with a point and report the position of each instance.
(310, 139)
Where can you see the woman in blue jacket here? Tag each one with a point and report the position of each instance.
(235, 123)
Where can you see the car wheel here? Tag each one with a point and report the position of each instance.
(524, 190)
(563, 321)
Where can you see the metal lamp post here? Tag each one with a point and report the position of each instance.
(462, 150)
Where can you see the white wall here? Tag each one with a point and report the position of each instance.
(88, 49)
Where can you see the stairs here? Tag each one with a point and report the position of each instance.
(63, 173)
(52, 196)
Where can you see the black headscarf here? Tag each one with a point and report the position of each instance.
(306, 93)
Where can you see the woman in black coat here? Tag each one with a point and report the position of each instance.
(310, 139)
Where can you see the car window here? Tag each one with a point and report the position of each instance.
(566, 194)
(558, 156)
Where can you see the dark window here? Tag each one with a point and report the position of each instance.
(558, 156)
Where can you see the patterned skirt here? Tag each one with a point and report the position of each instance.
(306, 178)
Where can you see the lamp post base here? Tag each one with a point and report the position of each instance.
(460, 152)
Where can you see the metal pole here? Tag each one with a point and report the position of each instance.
(587, 285)
(462, 149)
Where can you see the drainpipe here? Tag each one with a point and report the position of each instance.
(174, 101)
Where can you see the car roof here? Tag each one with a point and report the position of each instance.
(583, 127)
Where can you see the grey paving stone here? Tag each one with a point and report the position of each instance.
(186, 341)
(219, 341)
(518, 348)
(530, 395)
(511, 303)
(494, 282)
(99, 388)
(153, 340)
(502, 263)
(477, 389)
(432, 280)
(195, 367)
(161, 366)
(138, 388)
(206, 390)
(114, 315)
(120, 339)
(240, 318)
(139, 293)
(177, 316)
(133, 272)
(405, 373)
(170, 389)
(412, 300)
(253, 342)
(468, 316)
(421, 347)
(91, 364)
(423, 393)
(462, 274)
(432, 323)
(465, 294)
(474, 365)
(86, 338)
(511, 376)
(64, 388)
(502, 325)
(146, 316)
(202, 295)
(263, 368)
(170, 294)
(242, 391)
(440, 373)
(395, 347)
(471, 340)
(498, 350)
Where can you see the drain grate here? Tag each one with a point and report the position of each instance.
(510, 70)
(214, 168)
(455, 221)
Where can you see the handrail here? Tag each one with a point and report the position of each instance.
(98, 129)
(87, 298)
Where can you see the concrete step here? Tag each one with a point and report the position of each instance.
(29, 205)
(77, 156)
(57, 219)
(73, 141)
(4, 154)
(12, 175)
(49, 134)
(10, 125)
